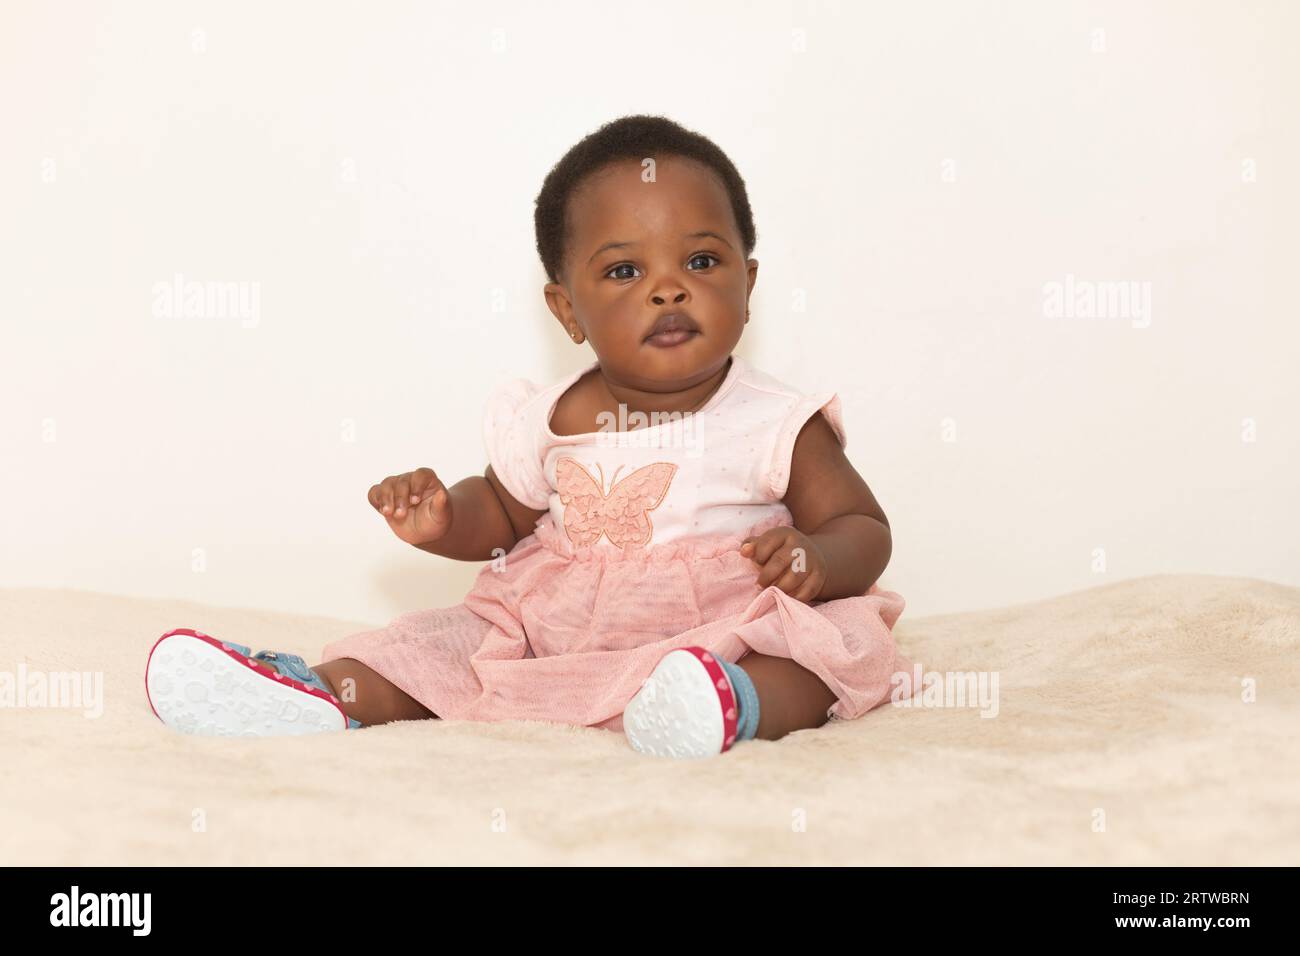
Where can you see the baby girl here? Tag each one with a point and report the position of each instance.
(677, 547)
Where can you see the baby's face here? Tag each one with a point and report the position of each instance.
(678, 250)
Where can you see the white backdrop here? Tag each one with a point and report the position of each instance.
(921, 175)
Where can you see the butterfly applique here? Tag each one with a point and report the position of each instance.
(622, 515)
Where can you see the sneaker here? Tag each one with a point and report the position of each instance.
(685, 708)
(197, 684)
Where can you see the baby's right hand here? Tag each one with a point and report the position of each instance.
(416, 505)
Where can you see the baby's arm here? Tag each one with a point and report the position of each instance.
(470, 521)
(831, 504)
(484, 517)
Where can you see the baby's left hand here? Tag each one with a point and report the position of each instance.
(789, 559)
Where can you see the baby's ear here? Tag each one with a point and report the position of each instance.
(557, 300)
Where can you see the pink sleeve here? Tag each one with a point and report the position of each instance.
(511, 435)
(783, 452)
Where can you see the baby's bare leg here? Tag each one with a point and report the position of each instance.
(790, 697)
(366, 696)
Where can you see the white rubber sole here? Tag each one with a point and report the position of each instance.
(196, 686)
(685, 708)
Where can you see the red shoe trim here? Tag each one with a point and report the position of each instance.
(726, 699)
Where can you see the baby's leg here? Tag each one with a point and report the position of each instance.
(365, 695)
(790, 697)
(368, 697)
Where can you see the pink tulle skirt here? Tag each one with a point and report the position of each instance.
(556, 633)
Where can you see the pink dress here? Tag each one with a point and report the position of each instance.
(621, 570)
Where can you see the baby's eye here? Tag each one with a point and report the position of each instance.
(704, 255)
(621, 265)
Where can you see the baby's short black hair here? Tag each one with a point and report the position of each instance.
(629, 137)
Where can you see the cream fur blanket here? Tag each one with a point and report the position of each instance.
(1153, 721)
